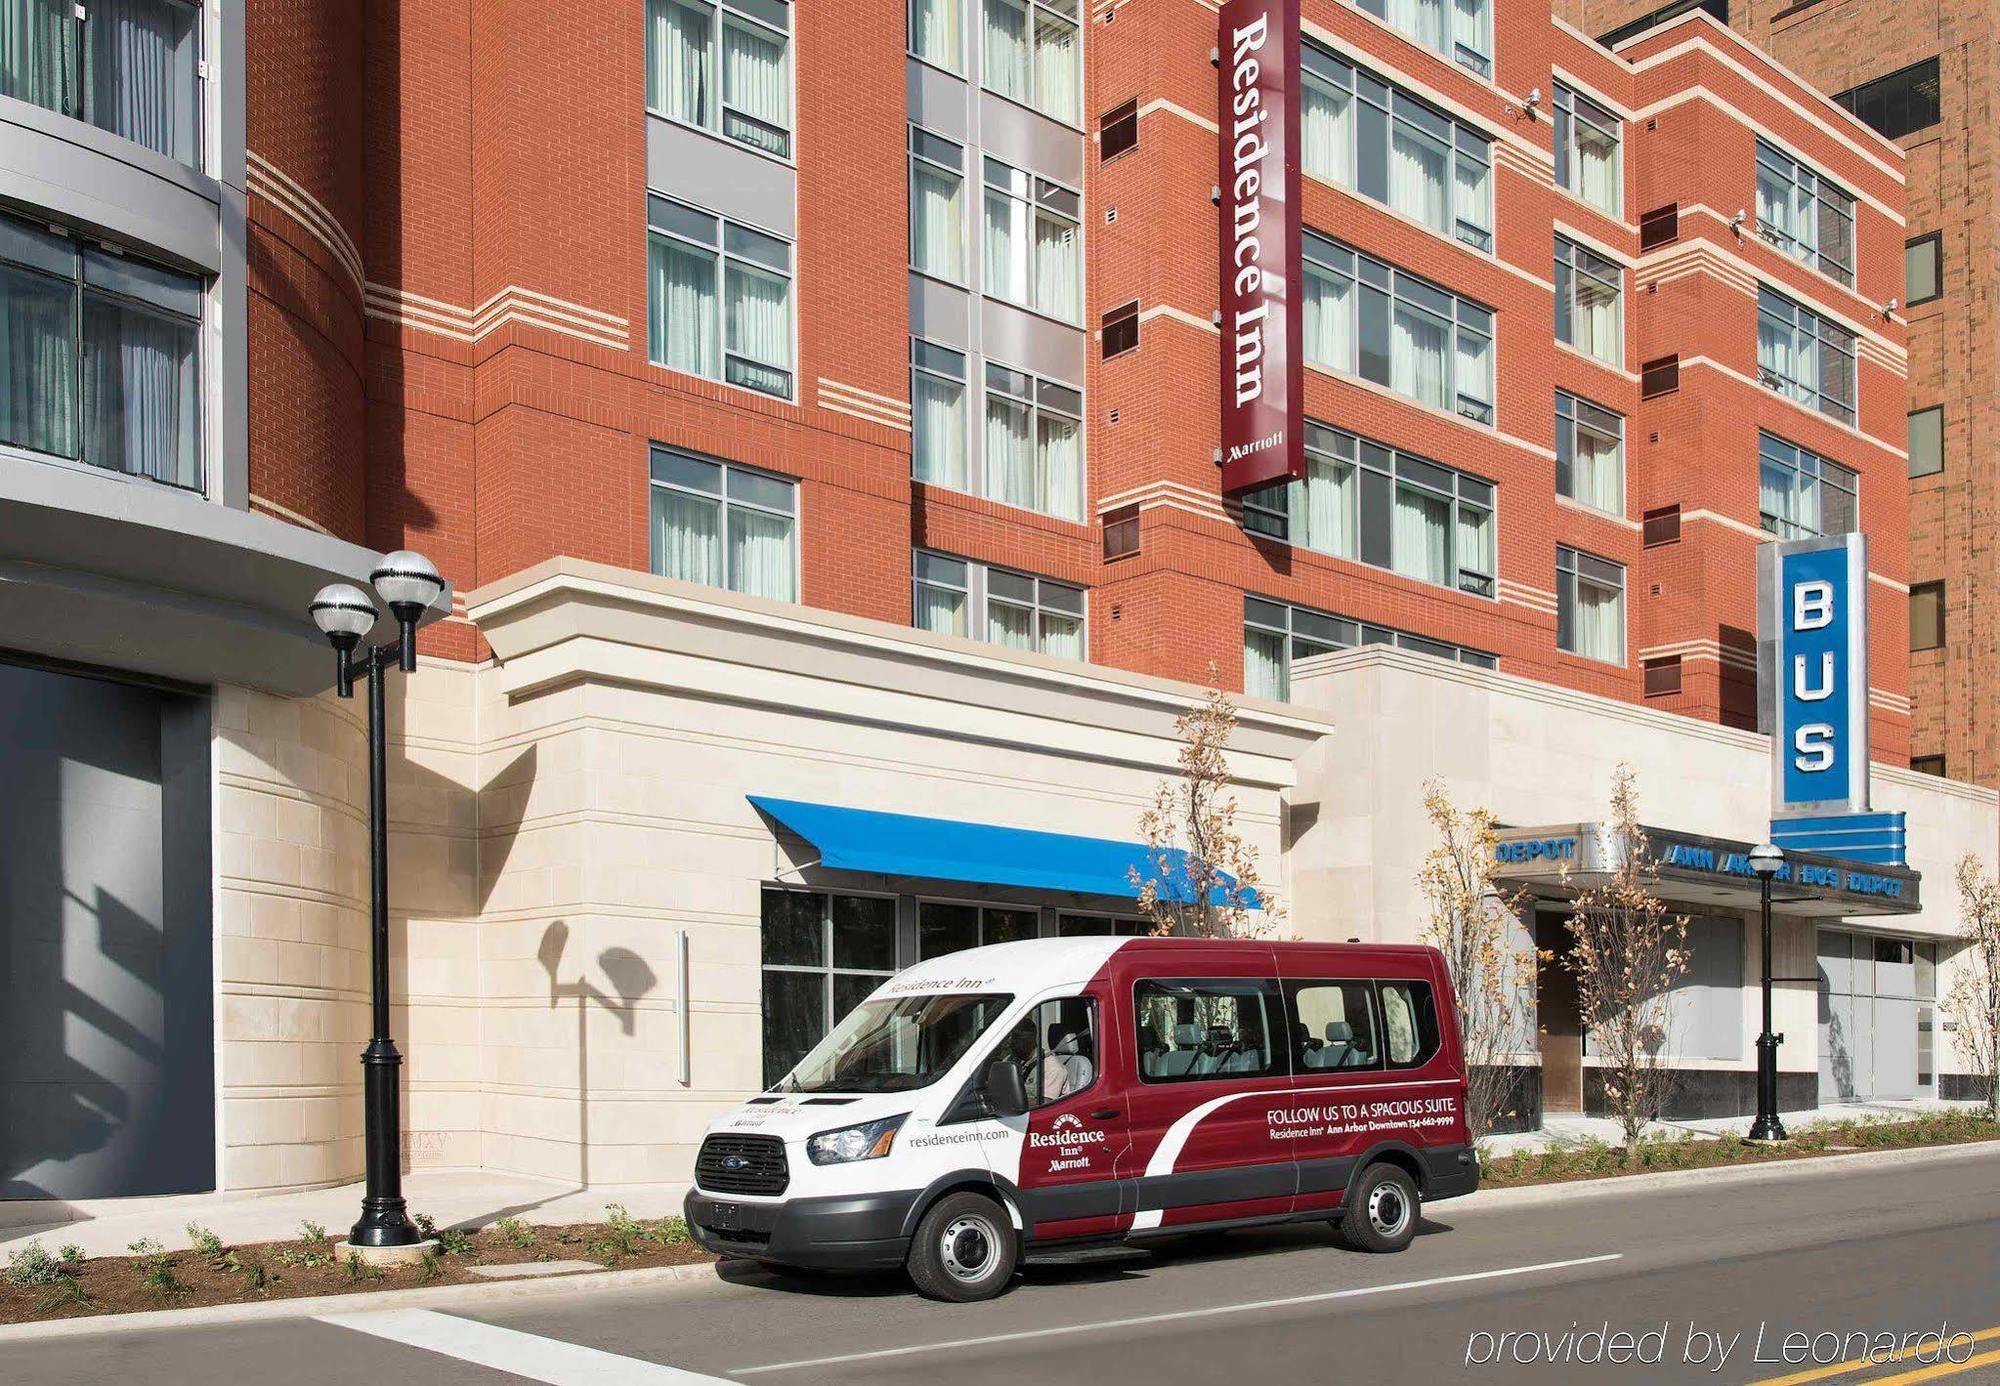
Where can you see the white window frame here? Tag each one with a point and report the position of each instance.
(1575, 261)
(920, 348)
(1476, 58)
(922, 148)
(725, 502)
(721, 13)
(725, 257)
(977, 589)
(1041, 197)
(1575, 567)
(1063, 11)
(1809, 474)
(1571, 108)
(1811, 336)
(1045, 395)
(956, 67)
(1576, 415)
(1305, 626)
(1811, 200)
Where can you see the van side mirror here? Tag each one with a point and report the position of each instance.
(1005, 1094)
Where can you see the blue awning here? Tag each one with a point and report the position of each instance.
(944, 849)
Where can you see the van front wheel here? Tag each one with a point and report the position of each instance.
(964, 1249)
(1382, 1215)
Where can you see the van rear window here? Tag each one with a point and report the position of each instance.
(1203, 1029)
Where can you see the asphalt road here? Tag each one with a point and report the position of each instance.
(1899, 1250)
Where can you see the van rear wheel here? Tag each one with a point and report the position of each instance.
(964, 1249)
(1382, 1214)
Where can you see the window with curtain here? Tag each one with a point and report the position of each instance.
(130, 68)
(937, 32)
(1032, 53)
(1803, 214)
(1032, 247)
(954, 596)
(1804, 356)
(937, 206)
(724, 525)
(1372, 137)
(1386, 325)
(99, 357)
(1277, 633)
(1587, 142)
(1590, 606)
(937, 414)
(1461, 30)
(1589, 302)
(724, 67)
(1033, 442)
(1590, 454)
(1801, 495)
(718, 298)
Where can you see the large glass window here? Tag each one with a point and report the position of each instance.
(1589, 302)
(1899, 104)
(1363, 133)
(1368, 502)
(1276, 633)
(955, 596)
(1927, 441)
(129, 67)
(822, 955)
(1587, 141)
(1388, 326)
(947, 928)
(1926, 615)
(1034, 443)
(1032, 250)
(99, 356)
(937, 32)
(1213, 1028)
(1801, 495)
(1804, 356)
(724, 526)
(1590, 606)
(1923, 269)
(1803, 214)
(937, 414)
(937, 206)
(1461, 30)
(719, 298)
(725, 67)
(1033, 54)
(1590, 454)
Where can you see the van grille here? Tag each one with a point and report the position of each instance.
(742, 1165)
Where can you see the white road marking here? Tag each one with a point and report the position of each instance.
(1210, 1312)
(519, 1354)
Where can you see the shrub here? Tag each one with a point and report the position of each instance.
(33, 1267)
(355, 1269)
(516, 1232)
(430, 1268)
(157, 1266)
(311, 1232)
(206, 1244)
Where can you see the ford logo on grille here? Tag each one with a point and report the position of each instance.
(735, 1162)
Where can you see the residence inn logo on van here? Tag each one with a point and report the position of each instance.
(1067, 1134)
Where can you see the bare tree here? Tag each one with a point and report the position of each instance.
(1627, 952)
(1974, 999)
(1201, 878)
(1475, 925)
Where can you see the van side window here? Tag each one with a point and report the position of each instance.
(1204, 1029)
(1334, 1026)
(1055, 1047)
(1409, 1019)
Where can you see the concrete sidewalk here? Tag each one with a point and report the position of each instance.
(1572, 1132)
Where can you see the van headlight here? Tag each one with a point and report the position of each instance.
(869, 1141)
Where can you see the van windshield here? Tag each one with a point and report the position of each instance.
(895, 1043)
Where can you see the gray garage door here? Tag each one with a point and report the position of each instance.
(1877, 999)
(107, 1057)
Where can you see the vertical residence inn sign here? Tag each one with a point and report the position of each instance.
(1263, 366)
(1813, 672)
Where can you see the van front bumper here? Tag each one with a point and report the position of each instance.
(841, 1232)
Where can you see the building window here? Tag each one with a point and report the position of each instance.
(751, 43)
(1801, 495)
(1663, 676)
(1923, 269)
(1361, 500)
(1928, 765)
(1590, 454)
(1118, 131)
(1275, 634)
(1661, 226)
(1803, 214)
(1097, 925)
(1898, 104)
(1590, 606)
(1927, 441)
(719, 298)
(954, 596)
(1587, 140)
(1589, 289)
(99, 356)
(1386, 325)
(1030, 55)
(1121, 532)
(937, 414)
(1804, 356)
(723, 525)
(1034, 443)
(937, 206)
(947, 928)
(822, 956)
(1927, 616)
(1462, 30)
(1033, 252)
(1362, 133)
(1119, 330)
(129, 68)
(937, 32)
(1661, 527)
(1661, 376)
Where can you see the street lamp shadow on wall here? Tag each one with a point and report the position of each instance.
(408, 583)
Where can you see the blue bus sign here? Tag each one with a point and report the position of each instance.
(1813, 673)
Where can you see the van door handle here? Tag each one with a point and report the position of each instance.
(1105, 1114)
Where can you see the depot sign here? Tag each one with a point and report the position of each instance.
(1813, 668)
(1263, 360)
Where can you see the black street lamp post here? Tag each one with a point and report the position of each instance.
(1767, 861)
(408, 583)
